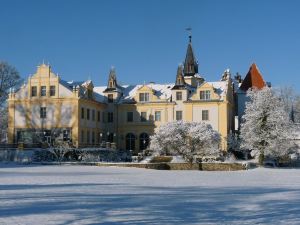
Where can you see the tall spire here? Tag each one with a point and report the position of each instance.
(112, 79)
(190, 63)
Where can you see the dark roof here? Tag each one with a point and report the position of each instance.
(190, 63)
(253, 79)
(179, 87)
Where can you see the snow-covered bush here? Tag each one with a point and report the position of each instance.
(233, 142)
(188, 139)
(266, 129)
(60, 149)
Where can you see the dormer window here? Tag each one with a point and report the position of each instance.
(90, 93)
(205, 95)
(110, 98)
(144, 97)
(178, 96)
(179, 81)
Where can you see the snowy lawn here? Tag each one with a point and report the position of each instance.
(109, 195)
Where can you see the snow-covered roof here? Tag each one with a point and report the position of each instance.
(162, 91)
(98, 93)
(220, 87)
(70, 84)
(86, 83)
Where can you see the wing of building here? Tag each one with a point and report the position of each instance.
(48, 107)
(253, 79)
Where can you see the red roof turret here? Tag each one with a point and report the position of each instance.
(253, 79)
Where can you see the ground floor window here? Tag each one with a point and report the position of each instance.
(130, 141)
(37, 136)
(144, 141)
(110, 137)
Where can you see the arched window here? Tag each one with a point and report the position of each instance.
(130, 141)
(144, 141)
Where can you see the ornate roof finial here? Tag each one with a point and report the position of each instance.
(189, 30)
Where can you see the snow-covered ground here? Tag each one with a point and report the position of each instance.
(109, 195)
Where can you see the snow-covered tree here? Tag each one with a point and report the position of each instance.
(162, 141)
(3, 123)
(187, 139)
(9, 78)
(266, 129)
(60, 149)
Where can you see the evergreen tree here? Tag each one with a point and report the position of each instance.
(266, 129)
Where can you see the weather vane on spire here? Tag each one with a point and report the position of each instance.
(189, 30)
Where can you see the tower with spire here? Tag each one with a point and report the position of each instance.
(190, 62)
(112, 91)
(190, 66)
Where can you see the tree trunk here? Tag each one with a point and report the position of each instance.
(261, 159)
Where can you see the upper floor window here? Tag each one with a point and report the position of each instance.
(129, 116)
(43, 113)
(33, 91)
(82, 113)
(178, 115)
(205, 115)
(99, 113)
(144, 97)
(110, 98)
(157, 116)
(143, 116)
(88, 114)
(43, 90)
(52, 90)
(205, 95)
(103, 117)
(93, 115)
(178, 95)
(110, 117)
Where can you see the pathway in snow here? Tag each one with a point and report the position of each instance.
(99, 195)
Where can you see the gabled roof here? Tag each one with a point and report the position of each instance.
(253, 79)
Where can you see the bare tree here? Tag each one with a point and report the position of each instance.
(291, 101)
(9, 78)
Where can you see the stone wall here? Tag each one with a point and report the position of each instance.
(181, 166)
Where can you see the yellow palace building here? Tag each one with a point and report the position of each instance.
(47, 107)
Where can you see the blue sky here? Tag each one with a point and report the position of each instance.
(146, 40)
